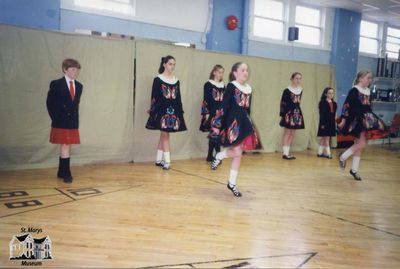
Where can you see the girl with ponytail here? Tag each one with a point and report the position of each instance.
(214, 90)
(236, 130)
(166, 111)
(358, 120)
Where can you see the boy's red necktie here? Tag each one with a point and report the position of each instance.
(71, 89)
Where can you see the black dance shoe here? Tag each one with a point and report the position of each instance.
(159, 164)
(355, 175)
(166, 166)
(215, 163)
(324, 156)
(288, 157)
(234, 190)
(68, 179)
(342, 164)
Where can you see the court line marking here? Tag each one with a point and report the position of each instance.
(95, 195)
(26, 196)
(191, 264)
(13, 188)
(194, 175)
(314, 211)
(307, 260)
(352, 222)
(69, 196)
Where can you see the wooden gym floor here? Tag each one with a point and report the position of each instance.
(305, 213)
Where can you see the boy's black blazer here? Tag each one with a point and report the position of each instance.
(64, 112)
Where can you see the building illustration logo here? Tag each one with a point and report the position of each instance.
(25, 247)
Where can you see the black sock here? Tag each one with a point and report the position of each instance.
(210, 149)
(65, 167)
(60, 172)
(217, 147)
(68, 170)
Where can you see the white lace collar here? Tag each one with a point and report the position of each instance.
(172, 80)
(296, 91)
(244, 88)
(217, 84)
(365, 91)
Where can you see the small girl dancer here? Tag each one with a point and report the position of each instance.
(214, 90)
(166, 112)
(327, 121)
(358, 120)
(290, 112)
(237, 130)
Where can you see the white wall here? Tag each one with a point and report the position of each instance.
(366, 62)
(182, 14)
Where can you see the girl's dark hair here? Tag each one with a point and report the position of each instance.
(294, 75)
(323, 96)
(164, 60)
(215, 68)
(234, 69)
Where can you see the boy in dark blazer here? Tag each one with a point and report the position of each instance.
(63, 107)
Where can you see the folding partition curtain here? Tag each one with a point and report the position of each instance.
(112, 115)
(29, 60)
(267, 77)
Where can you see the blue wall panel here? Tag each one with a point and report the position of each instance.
(220, 38)
(344, 54)
(42, 14)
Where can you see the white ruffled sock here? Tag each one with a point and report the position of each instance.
(232, 177)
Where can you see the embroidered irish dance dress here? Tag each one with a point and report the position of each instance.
(359, 117)
(166, 112)
(327, 118)
(213, 97)
(233, 117)
(290, 111)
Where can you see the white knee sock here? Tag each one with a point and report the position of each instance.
(320, 150)
(167, 157)
(328, 150)
(159, 155)
(285, 150)
(232, 177)
(356, 163)
(221, 155)
(345, 155)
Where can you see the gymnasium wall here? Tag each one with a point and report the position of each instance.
(153, 19)
(42, 14)
(150, 22)
(267, 77)
(112, 115)
(29, 60)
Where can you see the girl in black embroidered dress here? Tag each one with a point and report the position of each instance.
(166, 112)
(327, 121)
(237, 130)
(214, 90)
(358, 120)
(290, 112)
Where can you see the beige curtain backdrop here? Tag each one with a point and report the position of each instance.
(112, 116)
(267, 77)
(29, 60)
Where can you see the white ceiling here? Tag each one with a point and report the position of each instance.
(376, 10)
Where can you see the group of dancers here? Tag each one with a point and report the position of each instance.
(225, 116)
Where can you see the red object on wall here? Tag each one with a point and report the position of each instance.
(232, 22)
